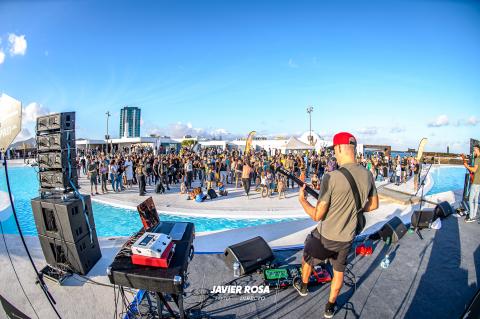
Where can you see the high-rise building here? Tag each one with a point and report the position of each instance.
(130, 122)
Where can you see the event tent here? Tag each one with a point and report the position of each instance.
(293, 144)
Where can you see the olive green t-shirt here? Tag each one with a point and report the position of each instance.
(340, 221)
(476, 177)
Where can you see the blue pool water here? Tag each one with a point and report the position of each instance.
(109, 220)
(448, 178)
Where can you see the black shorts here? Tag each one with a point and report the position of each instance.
(93, 180)
(318, 249)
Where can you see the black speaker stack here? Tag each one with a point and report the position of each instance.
(63, 217)
(56, 152)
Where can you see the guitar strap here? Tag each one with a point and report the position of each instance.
(356, 196)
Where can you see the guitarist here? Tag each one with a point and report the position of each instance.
(338, 217)
(475, 184)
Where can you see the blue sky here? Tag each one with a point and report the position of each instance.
(388, 71)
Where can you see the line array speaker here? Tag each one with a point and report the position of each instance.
(56, 122)
(56, 152)
(56, 141)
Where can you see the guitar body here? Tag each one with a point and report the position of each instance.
(300, 181)
(472, 175)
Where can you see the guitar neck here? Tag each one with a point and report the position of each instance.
(308, 189)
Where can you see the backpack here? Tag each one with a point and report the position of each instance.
(212, 194)
(199, 198)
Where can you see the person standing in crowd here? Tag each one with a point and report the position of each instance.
(104, 176)
(475, 185)
(119, 177)
(113, 175)
(141, 173)
(78, 166)
(247, 170)
(189, 173)
(129, 171)
(416, 174)
(238, 172)
(398, 173)
(338, 218)
(83, 164)
(92, 174)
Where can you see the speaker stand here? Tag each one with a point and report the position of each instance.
(417, 231)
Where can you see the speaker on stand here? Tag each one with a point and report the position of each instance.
(63, 217)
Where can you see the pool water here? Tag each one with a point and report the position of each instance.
(109, 220)
(447, 178)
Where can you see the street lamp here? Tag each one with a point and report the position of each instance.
(107, 137)
(309, 111)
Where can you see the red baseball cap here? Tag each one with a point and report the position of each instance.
(344, 138)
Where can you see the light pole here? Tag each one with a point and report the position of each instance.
(107, 137)
(309, 111)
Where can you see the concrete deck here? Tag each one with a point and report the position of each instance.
(433, 278)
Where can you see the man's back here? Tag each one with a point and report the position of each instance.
(341, 220)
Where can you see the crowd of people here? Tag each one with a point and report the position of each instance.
(216, 169)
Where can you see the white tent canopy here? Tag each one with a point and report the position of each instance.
(293, 144)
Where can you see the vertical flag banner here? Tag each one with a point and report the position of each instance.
(421, 147)
(248, 145)
(10, 120)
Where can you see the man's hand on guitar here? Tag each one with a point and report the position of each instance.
(302, 194)
(302, 176)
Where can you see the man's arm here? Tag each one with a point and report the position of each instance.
(372, 204)
(472, 169)
(316, 213)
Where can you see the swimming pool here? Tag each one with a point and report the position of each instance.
(448, 178)
(109, 220)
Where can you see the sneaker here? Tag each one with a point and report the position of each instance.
(329, 310)
(300, 286)
(469, 220)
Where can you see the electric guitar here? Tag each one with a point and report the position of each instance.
(311, 191)
(471, 174)
(297, 180)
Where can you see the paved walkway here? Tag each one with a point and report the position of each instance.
(235, 205)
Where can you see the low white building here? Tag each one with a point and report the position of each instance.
(319, 142)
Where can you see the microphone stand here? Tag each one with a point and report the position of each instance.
(422, 186)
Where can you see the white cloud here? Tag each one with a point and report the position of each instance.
(18, 44)
(368, 130)
(441, 120)
(179, 129)
(292, 63)
(472, 121)
(24, 134)
(29, 118)
(32, 111)
(2, 56)
(397, 129)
